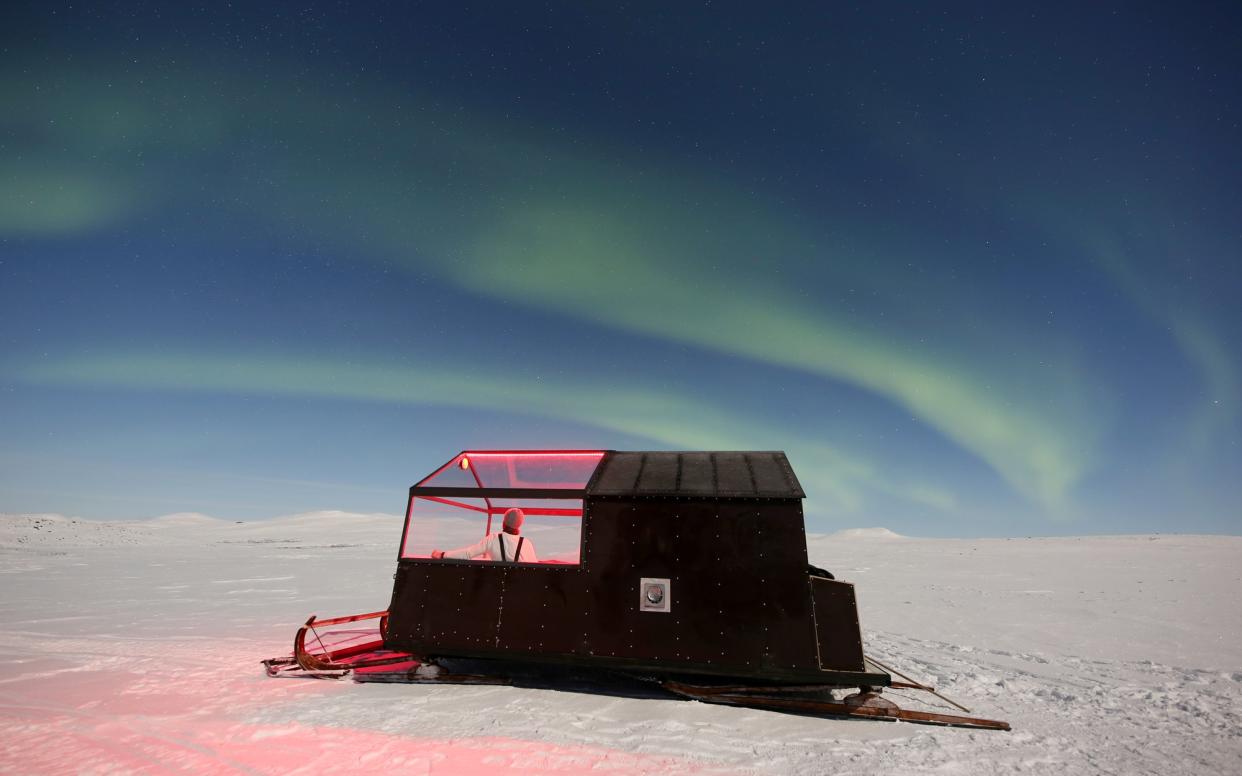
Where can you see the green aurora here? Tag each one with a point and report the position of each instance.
(517, 214)
(602, 238)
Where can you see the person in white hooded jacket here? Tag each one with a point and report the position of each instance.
(506, 545)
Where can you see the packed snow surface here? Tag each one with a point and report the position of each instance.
(133, 647)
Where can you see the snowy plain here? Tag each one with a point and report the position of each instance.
(133, 647)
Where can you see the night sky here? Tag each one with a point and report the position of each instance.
(975, 268)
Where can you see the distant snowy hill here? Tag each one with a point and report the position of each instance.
(864, 533)
(185, 518)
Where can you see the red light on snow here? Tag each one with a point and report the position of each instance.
(465, 462)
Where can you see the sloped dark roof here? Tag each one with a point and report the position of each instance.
(699, 474)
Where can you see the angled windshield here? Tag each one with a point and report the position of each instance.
(556, 470)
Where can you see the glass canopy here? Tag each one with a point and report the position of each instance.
(463, 502)
(543, 469)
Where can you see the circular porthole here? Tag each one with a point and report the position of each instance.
(655, 594)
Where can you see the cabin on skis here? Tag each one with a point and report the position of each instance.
(688, 563)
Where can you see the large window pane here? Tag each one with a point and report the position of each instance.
(438, 524)
(552, 526)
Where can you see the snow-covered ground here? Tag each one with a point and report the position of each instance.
(134, 647)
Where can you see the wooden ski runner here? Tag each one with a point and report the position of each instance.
(871, 708)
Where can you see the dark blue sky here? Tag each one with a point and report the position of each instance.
(975, 268)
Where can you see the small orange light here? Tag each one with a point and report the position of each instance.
(465, 462)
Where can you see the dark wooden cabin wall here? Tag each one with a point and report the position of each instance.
(738, 575)
(740, 591)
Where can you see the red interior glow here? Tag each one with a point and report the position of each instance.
(537, 453)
